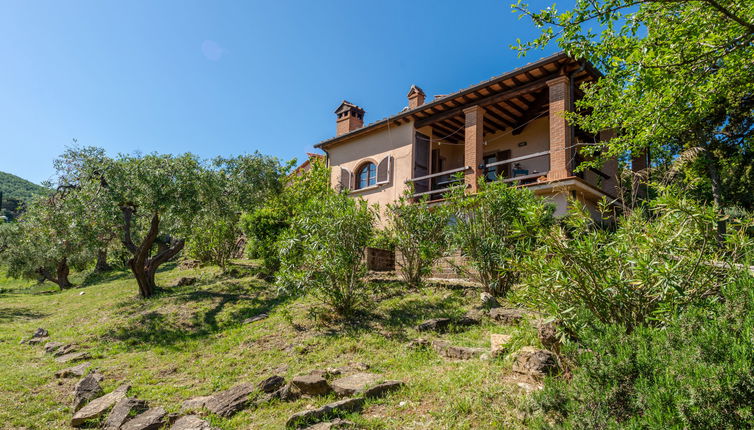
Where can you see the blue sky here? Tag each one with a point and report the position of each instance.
(221, 77)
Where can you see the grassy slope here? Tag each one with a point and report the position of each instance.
(189, 341)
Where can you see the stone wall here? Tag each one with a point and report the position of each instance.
(451, 266)
(380, 260)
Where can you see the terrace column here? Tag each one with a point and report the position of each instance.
(473, 145)
(639, 165)
(560, 132)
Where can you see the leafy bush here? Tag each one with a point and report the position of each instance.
(323, 252)
(696, 372)
(267, 227)
(655, 262)
(495, 228)
(418, 234)
(263, 228)
(213, 241)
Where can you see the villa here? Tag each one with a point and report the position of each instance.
(510, 127)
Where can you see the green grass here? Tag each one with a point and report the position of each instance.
(189, 341)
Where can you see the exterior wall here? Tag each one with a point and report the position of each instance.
(537, 138)
(396, 142)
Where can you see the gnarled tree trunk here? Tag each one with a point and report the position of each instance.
(143, 264)
(61, 275)
(102, 265)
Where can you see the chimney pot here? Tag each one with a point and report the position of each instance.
(415, 97)
(349, 118)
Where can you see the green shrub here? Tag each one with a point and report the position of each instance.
(263, 228)
(213, 241)
(323, 251)
(268, 226)
(696, 372)
(418, 234)
(495, 228)
(654, 263)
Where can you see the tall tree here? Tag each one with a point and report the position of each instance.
(678, 80)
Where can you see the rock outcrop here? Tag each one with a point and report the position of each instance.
(535, 362)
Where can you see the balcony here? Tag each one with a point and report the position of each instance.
(521, 170)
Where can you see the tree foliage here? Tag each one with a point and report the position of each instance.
(267, 225)
(495, 228)
(678, 80)
(49, 238)
(418, 235)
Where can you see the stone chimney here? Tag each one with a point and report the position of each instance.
(350, 118)
(415, 97)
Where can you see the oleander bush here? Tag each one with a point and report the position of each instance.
(697, 372)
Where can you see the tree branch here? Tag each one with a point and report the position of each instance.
(127, 241)
(730, 15)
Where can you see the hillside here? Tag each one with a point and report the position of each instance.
(192, 341)
(14, 187)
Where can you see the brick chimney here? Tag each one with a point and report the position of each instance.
(415, 97)
(350, 118)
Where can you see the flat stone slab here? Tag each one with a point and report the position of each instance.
(499, 343)
(195, 403)
(153, 419)
(99, 406)
(228, 402)
(312, 415)
(337, 423)
(313, 384)
(191, 422)
(435, 324)
(86, 389)
(73, 357)
(65, 349)
(350, 385)
(256, 318)
(508, 316)
(447, 350)
(380, 390)
(122, 411)
(51, 347)
(271, 384)
(40, 332)
(78, 370)
(37, 340)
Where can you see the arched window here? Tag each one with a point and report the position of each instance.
(366, 176)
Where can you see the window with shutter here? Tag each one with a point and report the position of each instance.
(345, 179)
(384, 170)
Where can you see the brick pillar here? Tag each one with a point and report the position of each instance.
(560, 132)
(473, 145)
(639, 163)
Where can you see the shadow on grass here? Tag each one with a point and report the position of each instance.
(16, 313)
(186, 313)
(93, 278)
(399, 311)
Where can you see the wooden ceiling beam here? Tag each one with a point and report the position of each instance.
(494, 115)
(535, 110)
(491, 99)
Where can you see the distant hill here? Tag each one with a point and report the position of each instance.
(15, 191)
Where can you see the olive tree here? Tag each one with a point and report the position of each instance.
(48, 239)
(230, 186)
